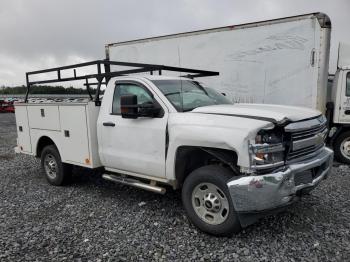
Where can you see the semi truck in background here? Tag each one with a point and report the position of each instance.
(338, 106)
(283, 61)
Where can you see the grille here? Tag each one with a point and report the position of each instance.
(307, 151)
(306, 138)
(309, 132)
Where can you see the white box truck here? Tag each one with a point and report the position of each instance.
(283, 61)
(234, 162)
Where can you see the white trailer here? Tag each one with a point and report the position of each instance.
(283, 61)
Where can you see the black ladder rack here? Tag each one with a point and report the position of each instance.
(103, 78)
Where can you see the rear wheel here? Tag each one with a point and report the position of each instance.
(207, 201)
(56, 172)
(342, 147)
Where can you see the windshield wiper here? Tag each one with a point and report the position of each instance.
(173, 93)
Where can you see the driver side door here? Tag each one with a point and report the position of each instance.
(134, 145)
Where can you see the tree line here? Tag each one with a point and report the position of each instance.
(43, 89)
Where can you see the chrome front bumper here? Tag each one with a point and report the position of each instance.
(269, 191)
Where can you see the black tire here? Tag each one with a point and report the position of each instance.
(218, 176)
(62, 171)
(339, 155)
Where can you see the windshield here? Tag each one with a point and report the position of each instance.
(186, 95)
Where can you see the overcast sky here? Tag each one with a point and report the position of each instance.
(36, 34)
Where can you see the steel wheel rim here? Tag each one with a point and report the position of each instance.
(345, 148)
(210, 203)
(50, 165)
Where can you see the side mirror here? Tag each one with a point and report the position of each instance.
(128, 106)
(131, 109)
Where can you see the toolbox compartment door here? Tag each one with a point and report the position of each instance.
(44, 117)
(74, 135)
(23, 132)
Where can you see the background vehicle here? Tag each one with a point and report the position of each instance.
(1, 106)
(233, 162)
(283, 61)
(6, 107)
(10, 108)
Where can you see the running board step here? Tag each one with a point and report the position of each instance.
(135, 183)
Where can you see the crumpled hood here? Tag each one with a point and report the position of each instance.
(272, 113)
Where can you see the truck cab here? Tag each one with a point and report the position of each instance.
(187, 127)
(338, 107)
(341, 96)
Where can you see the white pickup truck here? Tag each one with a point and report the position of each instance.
(234, 162)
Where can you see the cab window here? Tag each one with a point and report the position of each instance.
(143, 96)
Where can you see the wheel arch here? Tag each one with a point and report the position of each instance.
(189, 158)
(340, 129)
(43, 141)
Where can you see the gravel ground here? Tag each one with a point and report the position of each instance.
(94, 220)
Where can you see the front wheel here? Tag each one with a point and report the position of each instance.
(56, 172)
(342, 147)
(207, 201)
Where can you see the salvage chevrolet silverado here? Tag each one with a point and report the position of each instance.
(233, 162)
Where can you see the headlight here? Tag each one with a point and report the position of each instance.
(268, 150)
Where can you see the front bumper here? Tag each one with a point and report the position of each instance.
(270, 191)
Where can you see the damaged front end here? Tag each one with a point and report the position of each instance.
(285, 163)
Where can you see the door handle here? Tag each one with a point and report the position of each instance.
(347, 112)
(108, 124)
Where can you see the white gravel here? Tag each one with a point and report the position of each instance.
(94, 220)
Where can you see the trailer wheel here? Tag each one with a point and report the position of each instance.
(56, 172)
(207, 201)
(342, 147)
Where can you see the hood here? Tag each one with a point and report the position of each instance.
(271, 113)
